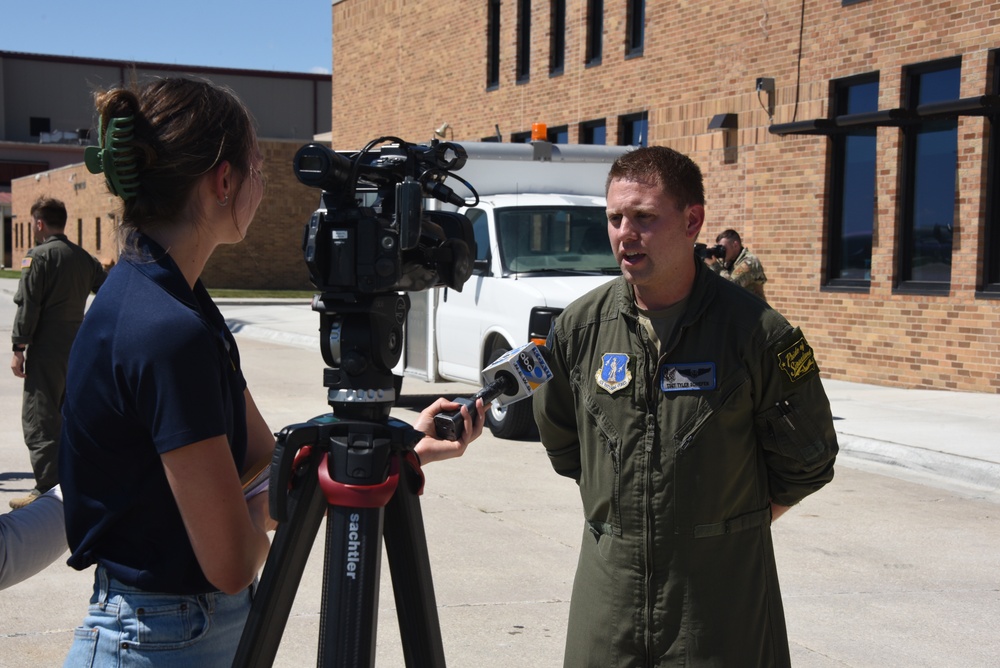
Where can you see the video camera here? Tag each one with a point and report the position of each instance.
(372, 233)
(704, 252)
(371, 241)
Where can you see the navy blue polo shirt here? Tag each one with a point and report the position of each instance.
(153, 368)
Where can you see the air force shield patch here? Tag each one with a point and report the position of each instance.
(614, 373)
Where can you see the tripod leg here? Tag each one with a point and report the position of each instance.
(409, 564)
(349, 617)
(282, 572)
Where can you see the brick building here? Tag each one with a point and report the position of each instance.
(850, 142)
(47, 118)
(270, 257)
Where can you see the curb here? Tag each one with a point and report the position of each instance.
(268, 334)
(977, 472)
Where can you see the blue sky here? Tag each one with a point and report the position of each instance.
(276, 35)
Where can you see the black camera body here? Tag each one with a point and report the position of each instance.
(370, 243)
(704, 252)
(372, 233)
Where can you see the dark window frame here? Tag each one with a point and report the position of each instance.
(626, 125)
(833, 255)
(595, 33)
(492, 45)
(905, 229)
(990, 281)
(523, 41)
(635, 28)
(38, 124)
(557, 37)
(552, 134)
(520, 137)
(587, 131)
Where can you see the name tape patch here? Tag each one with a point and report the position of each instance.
(686, 377)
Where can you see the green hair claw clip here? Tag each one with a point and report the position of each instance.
(116, 158)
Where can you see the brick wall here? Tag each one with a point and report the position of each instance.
(269, 258)
(403, 67)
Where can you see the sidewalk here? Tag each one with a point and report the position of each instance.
(938, 435)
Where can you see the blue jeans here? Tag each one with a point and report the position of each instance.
(126, 626)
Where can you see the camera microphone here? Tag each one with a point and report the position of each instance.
(513, 376)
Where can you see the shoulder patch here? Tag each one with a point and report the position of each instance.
(797, 360)
(25, 262)
(614, 373)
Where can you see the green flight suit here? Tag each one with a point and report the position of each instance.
(677, 460)
(56, 277)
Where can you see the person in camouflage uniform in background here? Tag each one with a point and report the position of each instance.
(740, 265)
(56, 278)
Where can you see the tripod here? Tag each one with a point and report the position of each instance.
(357, 467)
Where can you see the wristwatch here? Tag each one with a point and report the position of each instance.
(18, 347)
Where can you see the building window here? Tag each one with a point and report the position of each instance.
(635, 28)
(521, 137)
(523, 40)
(593, 132)
(493, 45)
(557, 37)
(79, 231)
(97, 235)
(559, 135)
(930, 165)
(852, 186)
(39, 125)
(991, 258)
(595, 31)
(633, 129)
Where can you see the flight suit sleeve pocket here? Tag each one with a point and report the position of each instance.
(783, 429)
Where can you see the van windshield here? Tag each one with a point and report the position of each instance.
(553, 238)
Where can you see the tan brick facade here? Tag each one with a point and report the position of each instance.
(403, 67)
(269, 258)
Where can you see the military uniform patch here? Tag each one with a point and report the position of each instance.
(614, 373)
(25, 262)
(797, 361)
(681, 377)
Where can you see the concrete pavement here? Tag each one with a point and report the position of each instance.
(875, 569)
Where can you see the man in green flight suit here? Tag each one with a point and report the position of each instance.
(691, 415)
(56, 277)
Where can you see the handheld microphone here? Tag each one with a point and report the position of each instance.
(513, 376)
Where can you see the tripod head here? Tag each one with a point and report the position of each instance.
(361, 339)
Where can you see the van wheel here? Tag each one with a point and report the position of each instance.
(513, 420)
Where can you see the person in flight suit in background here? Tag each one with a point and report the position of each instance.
(56, 278)
(739, 265)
